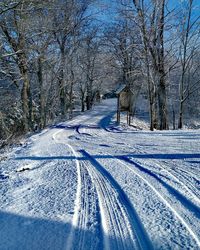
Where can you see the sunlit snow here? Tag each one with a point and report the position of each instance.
(92, 184)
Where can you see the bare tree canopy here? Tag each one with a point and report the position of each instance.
(56, 56)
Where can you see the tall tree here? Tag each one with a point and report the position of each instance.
(189, 45)
(68, 20)
(151, 21)
(14, 28)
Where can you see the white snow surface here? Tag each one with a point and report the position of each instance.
(90, 184)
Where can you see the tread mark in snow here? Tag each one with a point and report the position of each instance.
(86, 207)
(80, 222)
(77, 208)
(189, 187)
(77, 202)
(187, 176)
(122, 217)
(194, 236)
(187, 203)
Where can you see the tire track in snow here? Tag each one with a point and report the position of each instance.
(77, 206)
(179, 180)
(173, 191)
(186, 174)
(182, 178)
(188, 186)
(88, 226)
(121, 224)
(86, 221)
(114, 221)
(190, 231)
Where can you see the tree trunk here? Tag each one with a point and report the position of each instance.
(82, 101)
(180, 121)
(71, 96)
(26, 95)
(162, 105)
(174, 118)
(62, 85)
(145, 40)
(41, 95)
(82, 105)
(87, 102)
(162, 96)
(150, 88)
(185, 38)
(89, 98)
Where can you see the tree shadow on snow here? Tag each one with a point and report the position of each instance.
(175, 156)
(186, 202)
(29, 233)
(24, 232)
(20, 232)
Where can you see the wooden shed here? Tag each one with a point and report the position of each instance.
(125, 98)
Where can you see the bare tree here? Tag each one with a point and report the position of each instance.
(189, 44)
(14, 30)
(151, 21)
(68, 20)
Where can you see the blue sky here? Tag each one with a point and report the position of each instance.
(108, 8)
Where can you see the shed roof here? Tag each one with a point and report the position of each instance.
(121, 88)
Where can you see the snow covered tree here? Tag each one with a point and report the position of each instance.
(188, 50)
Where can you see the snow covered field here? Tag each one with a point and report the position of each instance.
(88, 184)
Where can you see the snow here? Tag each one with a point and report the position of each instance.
(91, 184)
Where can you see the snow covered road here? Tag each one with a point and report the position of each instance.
(89, 184)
